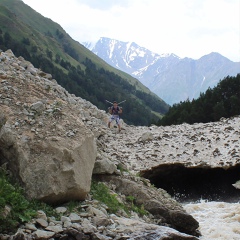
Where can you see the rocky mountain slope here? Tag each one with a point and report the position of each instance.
(172, 78)
(48, 46)
(55, 143)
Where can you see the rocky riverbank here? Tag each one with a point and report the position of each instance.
(93, 223)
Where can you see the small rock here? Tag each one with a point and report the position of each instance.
(55, 229)
(41, 234)
(30, 226)
(65, 219)
(41, 214)
(61, 209)
(38, 106)
(74, 217)
(42, 222)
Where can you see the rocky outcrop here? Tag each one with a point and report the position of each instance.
(158, 202)
(44, 137)
(51, 170)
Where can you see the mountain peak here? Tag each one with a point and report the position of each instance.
(172, 78)
(215, 55)
(127, 56)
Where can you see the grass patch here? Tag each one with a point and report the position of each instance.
(101, 193)
(121, 168)
(15, 209)
(73, 206)
(138, 209)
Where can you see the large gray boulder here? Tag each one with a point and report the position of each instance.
(44, 141)
(54, 169)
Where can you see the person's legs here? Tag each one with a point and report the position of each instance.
(109, 121)
(117, 119)
(118, 123)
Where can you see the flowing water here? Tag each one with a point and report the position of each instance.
(219, 214)
(217, 220)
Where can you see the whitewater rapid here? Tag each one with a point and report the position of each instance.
(217, 220)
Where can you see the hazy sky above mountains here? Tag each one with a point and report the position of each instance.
(187, 28)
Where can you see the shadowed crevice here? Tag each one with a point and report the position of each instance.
(191, 184)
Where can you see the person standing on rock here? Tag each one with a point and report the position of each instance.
(115, 110)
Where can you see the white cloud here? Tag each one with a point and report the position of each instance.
(188, 28)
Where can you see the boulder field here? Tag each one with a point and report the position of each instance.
(55, 143)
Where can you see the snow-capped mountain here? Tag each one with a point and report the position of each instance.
(172, 78)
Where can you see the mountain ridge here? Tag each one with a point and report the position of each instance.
(49, 47)
(172, 78)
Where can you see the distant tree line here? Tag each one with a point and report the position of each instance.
(93, 84)
(220, 101)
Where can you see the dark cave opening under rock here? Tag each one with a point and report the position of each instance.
(187, 184)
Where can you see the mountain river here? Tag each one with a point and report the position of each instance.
(208, 195)
(217, 220)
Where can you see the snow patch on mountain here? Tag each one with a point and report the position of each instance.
(172, 78)
(204, 78)
(140, 71)
(111, 47)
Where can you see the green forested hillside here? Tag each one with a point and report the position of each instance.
(46, 44)
(220, 101)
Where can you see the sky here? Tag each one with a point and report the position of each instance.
(187, 28)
